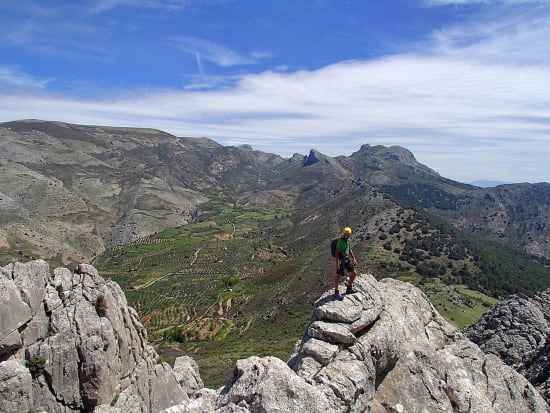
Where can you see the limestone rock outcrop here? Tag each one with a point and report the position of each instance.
(518, 331)
(384, 349)
(69, 342)
(405, 358)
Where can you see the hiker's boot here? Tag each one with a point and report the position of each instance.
(350, 290)
(337, 295)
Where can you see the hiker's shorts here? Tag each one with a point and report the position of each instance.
(345, 264)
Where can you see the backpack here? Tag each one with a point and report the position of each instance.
(333, 246)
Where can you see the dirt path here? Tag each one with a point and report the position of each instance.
(196, 256)
(150, 283)
(234, 228)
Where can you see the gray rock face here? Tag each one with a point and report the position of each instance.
(15, 387)
(405, 357)
(187, 374)
(69, 342)
(518, 331)
(268, 385)
(384, 349)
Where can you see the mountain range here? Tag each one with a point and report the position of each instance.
(72, 191)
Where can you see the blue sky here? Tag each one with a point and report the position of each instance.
(463, 84)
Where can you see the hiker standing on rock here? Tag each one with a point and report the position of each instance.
(345, 261)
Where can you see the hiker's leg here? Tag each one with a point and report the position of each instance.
(336, 281)
(349, 287)
(352, 276)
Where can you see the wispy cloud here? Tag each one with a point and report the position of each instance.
(12, 76)
(33, 8)
(210, 51)
(499, 35)
(23, 34)
(58, 31)
(199, 62)
(101, 6)
(204, 82)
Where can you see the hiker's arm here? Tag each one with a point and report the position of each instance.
(352, 255)
(337, 255)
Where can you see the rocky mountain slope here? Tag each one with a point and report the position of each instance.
(68, 192)
(515, 214)
(69, 342)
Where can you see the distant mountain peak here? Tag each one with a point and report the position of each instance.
(314, 157)
(317, 158)
(487, 183)
(392, 153)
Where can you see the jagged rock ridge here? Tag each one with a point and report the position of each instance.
(518, 331)
(383, 349)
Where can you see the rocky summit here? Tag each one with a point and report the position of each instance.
(69, 342)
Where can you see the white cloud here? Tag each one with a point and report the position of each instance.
(470, 112)
(12, 76)
(101, 6)
(500, 35)
(210, 51)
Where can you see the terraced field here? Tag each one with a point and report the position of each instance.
(184, 281)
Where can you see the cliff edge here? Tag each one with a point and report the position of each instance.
(69, 342)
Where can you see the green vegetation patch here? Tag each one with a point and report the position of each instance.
(17, 182)
(457, 303)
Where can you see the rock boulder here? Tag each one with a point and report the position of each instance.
(69, 342)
